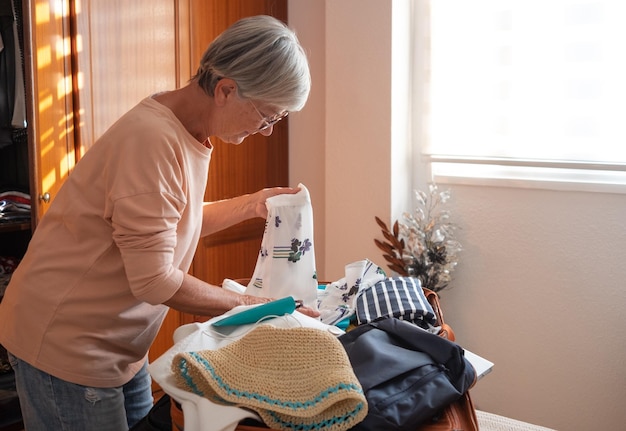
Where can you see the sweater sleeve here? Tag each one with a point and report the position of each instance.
(144, 229)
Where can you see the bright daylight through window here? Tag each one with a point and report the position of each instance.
(525, 91)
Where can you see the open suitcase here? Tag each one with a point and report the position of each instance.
(459, 416)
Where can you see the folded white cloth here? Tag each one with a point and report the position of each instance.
(337, 301)
(200, 413)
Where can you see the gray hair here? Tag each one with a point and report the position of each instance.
(264, 57)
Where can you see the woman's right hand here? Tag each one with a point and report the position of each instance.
(309, 311)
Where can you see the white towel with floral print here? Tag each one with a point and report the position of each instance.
(286, 262)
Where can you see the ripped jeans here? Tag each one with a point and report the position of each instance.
(52, 404)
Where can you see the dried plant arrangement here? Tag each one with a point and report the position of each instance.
(423, 244)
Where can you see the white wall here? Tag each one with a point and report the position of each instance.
(341, 149)
(307, 159)
(540, 291)
(540, 284)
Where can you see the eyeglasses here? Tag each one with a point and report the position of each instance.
(267, 122)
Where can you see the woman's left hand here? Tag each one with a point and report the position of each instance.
(259, 198)
(219, 215)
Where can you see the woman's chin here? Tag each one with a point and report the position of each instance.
(236, 139)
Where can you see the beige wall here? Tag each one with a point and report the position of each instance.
(540, 285)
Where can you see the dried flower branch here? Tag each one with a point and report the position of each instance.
(424, 246)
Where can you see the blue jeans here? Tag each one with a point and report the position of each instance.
(49, 403)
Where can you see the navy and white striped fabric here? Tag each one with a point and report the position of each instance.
(400, 297)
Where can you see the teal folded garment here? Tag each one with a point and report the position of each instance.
(280, 307)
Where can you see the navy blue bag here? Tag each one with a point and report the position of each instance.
(409, 375)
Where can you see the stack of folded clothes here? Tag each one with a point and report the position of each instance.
(14, 207)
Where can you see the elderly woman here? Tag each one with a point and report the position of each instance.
(112, 253)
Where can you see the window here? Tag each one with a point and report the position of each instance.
(529, 92)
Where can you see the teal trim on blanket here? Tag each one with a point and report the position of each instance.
(182, 367)
(316, 425)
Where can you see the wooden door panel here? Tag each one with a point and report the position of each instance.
(47, 59)
(124, 51)
(211, 17)
(234, 254)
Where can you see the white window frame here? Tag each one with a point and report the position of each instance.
(504, 172)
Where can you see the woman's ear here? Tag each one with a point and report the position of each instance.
(224, 89)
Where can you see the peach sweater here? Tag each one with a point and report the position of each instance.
(85, 303)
